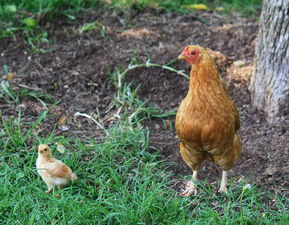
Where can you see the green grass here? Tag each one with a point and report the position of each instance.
(247, 7)
(122, 178)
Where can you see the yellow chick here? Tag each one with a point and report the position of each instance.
(54, 172)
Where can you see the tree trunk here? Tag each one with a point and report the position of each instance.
(270, 83)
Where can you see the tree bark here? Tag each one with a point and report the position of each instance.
(270, 83)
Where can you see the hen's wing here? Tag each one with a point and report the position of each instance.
(56, 169)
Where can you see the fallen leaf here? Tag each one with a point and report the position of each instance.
(137, 33)
(64, 128)
(10, 76)
(92, 26)
(219, 9)
(19, 175)
(243, 73)
(61, 121)
(247, 186)
(157, 126)
(60, 148)
(196, 6)
(168, 124)
(30, 22)
(214, 204)
(21, 107)
(10, 8)
(239, 63)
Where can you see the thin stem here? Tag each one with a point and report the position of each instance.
(148, 64)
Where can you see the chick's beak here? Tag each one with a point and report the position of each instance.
(181, 56)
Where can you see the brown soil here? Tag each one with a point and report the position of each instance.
(77, 69)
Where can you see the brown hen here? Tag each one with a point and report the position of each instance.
(207, 119)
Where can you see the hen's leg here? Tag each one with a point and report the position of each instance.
(190, 187)
(193, 159)
(223, 187)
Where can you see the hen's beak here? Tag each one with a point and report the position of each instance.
(181, 56)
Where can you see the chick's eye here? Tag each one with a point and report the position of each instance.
(45, 149)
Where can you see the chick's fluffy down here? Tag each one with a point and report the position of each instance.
(56, 173)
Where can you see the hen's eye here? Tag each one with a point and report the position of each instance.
(193, 53)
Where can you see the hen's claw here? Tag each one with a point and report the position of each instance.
(223, 189)
(190, 189)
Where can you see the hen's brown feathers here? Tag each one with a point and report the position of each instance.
(207, 119)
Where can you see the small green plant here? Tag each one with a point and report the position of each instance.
(131, 107)
(15, 131)
(118, 76)
(14, 95)
(34, 36)
(35, 40)
(5, 90)
(96, 25)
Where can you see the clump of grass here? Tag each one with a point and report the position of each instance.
(13, 94)
(25, 16)
(246, 7)
(118, 77)
(92, 26)
(133, 109)
(122, 180)
(16, 133)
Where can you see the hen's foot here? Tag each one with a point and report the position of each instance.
(223, 189)
(190, 189)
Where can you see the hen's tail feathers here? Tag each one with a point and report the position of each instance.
(237, 146)
(73, 177)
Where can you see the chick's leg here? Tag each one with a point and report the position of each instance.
(49, 190)
(190, 187)
(223, 187)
